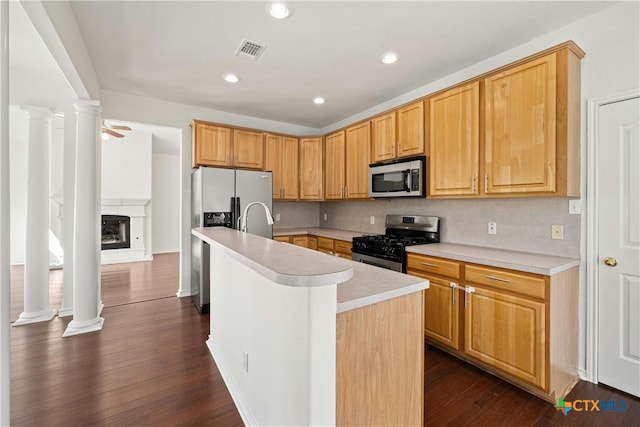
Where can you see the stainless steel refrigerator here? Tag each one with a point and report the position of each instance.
(218, 199)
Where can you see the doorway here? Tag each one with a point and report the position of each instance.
(613, 243)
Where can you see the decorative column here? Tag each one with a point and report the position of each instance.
(66, 305)
(86, 231)
(36, 262)
(5, 275)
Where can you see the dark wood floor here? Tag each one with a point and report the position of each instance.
(149, 366)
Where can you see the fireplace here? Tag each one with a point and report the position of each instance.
(116, 232)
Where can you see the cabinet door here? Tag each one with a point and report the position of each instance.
(311, 168)
(411, 130)
(248, 149)
(273, 162)
(300, 241)
(211, 145)
(506, 332)
(312, 243)
(454, 141)
(289, 167)
(520, 128)
(334, 166)
(358, 156)
(383, 137)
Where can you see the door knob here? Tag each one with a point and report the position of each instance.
(611, 261)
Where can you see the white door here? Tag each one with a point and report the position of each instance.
(618, 186)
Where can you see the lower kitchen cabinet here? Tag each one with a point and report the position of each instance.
(300, 241)
(523, 327)
(285, 239)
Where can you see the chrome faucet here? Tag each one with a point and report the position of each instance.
(243, 219)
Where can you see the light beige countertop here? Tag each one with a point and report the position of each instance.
(514, 260)
(331, 233)
(359, 284)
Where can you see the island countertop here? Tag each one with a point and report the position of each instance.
(521, 261)
(359, 284)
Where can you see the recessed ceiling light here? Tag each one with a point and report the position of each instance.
(278, 10)
(318, 100)
(389, 58)
(231, 78)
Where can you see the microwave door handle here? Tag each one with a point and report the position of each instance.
(407, 180)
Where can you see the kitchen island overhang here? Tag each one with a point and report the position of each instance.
(279, 337)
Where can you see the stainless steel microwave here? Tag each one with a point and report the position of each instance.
(398, 178)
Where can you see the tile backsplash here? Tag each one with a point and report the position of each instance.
(523, 224)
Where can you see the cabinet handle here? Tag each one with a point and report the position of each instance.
(468, 290)
(429, 265)
(499, 279)
(486, 183)
(454, 286)
(473, 184)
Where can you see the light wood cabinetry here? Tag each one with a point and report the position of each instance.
(358, 156)
(300, 241)
(380, 364)
(454, 141)
(519, 326)
(399, 133)
(324, 244)
(284, 239)
(341, 248)
(248, 149)
(311, 168)
(210, 144)
(312, 242)
(222, 146)
(334, 156)
(441, 299)
(529, 133)
(282, 160)
(411, 129)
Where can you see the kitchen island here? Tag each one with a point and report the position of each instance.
(304, 338)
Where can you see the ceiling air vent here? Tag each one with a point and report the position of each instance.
(250, 50)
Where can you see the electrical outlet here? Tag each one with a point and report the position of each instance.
(325, 216)
(245, 361)
(557, 232)
(492, 228)
(372, 219)
(277, 217)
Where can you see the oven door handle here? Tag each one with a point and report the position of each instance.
(407, 180)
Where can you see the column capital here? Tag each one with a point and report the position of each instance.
(37, 112)
(87, 106)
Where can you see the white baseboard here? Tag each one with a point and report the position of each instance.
(238, 398)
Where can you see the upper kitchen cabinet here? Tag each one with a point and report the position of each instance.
(248, 149)
(334, 155)
(454, 141)
(399, 133)
(210, 144)
(282, 159)
(411, 129)
(358, 157)
(532, 126)
(311, 169)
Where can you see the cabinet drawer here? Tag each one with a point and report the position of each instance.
(285, 239)
(342, 246)
(324, 243)
(501, 279)
(299, 240)
(437, 266)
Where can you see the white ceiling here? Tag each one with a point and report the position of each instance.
(178, 50)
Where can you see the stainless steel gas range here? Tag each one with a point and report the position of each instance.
(388, 250)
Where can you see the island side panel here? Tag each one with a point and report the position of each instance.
(380, 364)
(274, 345)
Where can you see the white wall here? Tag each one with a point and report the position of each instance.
(126, 166)
(165, 198)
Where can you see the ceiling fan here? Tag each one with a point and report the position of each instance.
(111, 129)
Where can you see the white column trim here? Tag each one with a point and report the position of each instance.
(36, 274)
(591, 340)
(5, 229)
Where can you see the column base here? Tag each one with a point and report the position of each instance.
(26, 318)
(76, 327)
